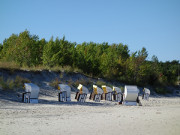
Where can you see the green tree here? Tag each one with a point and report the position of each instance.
(9, 46)
(1, 47)
(48, 51)
(25, 49)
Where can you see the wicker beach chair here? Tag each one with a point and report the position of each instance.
(96, 94)
(82, 94)
(107, 93)
(64, 93)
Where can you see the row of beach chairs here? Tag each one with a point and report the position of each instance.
(129, 97)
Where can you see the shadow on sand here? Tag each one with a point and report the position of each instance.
(71, 103)
(16, 97)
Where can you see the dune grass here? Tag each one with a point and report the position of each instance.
(9, 65)
(13, 84)
(54, 83)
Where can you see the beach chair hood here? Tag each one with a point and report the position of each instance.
(147, 91)
(106, 89)
(83, 89)
(97, 90)
(65, 87)
(131, 93)
(117, 89)
(33, 89)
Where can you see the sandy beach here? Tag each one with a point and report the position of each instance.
(158, 116)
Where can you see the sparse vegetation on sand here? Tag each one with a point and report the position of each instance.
(13, 84)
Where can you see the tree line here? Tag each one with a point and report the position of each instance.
(97, 59)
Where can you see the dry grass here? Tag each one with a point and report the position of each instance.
(13, 84)
(55, 83)
(14, 66)
(85, 82)
(9, 65)
(100, 83)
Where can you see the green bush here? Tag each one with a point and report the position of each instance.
(160, 90)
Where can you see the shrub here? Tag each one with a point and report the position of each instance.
(3, 84)
(100, 83)
(55, 83)
(85, 82)
(160, 90)
(7, 85)
(19, 81)
(11, 84)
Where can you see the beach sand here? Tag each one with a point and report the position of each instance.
(158, 116)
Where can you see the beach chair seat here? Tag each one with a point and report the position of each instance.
(62, 97)
(82, 97)
(91, 97)
(26, 97)
(117, 97)
(97, 98)
(108, 96)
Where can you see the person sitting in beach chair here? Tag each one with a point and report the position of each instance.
(64, 93)
(82, 94)
(117, 94)
(96, 94)
(107, 93)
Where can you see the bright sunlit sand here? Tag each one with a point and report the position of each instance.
(158, 116)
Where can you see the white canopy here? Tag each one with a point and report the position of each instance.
(65, 87)
(117, 89)
(33, 89)
(83, 89)
(131, 93)
(97, 90)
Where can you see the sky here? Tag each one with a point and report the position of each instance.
(153, 24)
